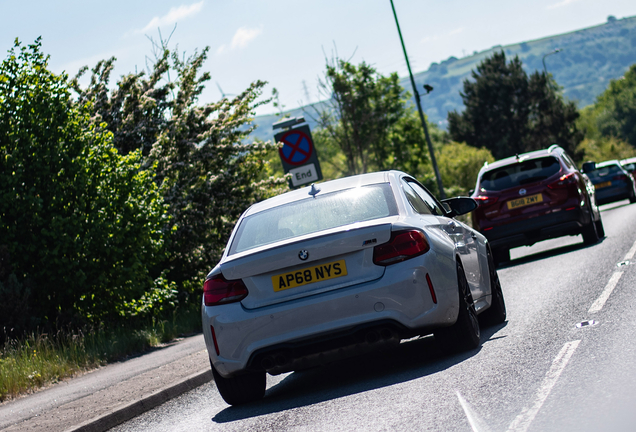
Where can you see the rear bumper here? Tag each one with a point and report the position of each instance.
(529, 231)
(613, 193)
(294, 334)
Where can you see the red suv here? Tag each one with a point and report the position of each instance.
(532, 197)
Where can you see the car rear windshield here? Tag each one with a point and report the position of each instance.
(601, 173)
(312, 215)
(520, 173)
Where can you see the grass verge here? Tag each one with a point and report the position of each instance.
(40, 359)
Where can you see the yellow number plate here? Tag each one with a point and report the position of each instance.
(521, 202)
(602, 185)
(309, 275)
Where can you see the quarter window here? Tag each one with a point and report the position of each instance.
(427, 198)
(414, 199)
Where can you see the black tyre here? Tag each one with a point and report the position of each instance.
(242, 388)
(501, 255)
(465, 334)
(496, 313)
(590, 236)
(599, 228)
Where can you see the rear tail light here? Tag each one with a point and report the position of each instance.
(563, 181)
(402, 246)
(620, 177)
(218, 291)
(485, 200)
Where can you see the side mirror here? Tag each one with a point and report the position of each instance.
(459, 205)
(588, 166)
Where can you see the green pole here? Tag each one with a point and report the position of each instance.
(419, 109)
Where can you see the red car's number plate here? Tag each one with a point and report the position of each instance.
(522, 202)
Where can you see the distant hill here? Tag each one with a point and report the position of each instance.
(591, 57)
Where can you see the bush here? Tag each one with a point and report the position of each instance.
(81, 225)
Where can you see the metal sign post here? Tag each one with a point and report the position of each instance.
(298, 154)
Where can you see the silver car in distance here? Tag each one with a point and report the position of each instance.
(343, 268)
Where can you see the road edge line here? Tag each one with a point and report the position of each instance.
(146, 403)
(631, 252)
(600, 301)
(522, 422)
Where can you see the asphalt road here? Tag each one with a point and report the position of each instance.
(562, 362)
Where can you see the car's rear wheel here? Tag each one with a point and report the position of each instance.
(496, 313)
(501, 255)
(599, 228)
(465, 333)
(240, 389)
(590, 235)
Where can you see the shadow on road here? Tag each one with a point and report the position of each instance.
(548, 254)
(411, 360)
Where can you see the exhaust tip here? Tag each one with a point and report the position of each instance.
(372, 337)
(281, 360)
(386, 334)
(267, 363)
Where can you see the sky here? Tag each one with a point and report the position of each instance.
(287, 43)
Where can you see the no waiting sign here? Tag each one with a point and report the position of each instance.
(297, 147)
(298, 155)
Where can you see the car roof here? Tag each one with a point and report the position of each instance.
(324, 187)
(628, 160)
(551, 151)
(607, 163)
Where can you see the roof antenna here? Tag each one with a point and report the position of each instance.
(314, 190)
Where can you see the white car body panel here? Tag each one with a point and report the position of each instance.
(397, 293)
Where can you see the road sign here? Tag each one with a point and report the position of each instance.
(297, 147)
(298, 155)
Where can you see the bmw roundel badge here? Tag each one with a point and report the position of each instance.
(303, 254)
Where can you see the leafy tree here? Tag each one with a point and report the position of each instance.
(615, 109)
(80, 224)
(459, 165)
(602, 149)
(508, 112)
(207, 172)
(367, 116)
(135, 110)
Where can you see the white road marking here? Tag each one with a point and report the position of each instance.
(523, 420)
(476, 423)
(631, 252)
(600, 302)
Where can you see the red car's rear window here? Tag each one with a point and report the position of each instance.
(519, 174)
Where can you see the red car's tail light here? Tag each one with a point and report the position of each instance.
(218, 290)
(563, 181)
(620, 177)
(484, 200)
(402, 246)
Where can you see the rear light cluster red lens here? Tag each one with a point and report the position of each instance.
(218, 291)
(402, 246)
(485, 200)
(563, 181)
(620, 177)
